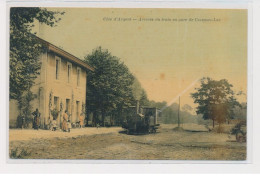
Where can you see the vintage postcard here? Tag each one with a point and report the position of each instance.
(128, 83)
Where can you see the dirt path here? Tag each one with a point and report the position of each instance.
(112, 143)
(30, 134)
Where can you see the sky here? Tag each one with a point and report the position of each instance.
(167, 57)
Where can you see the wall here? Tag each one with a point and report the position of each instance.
(47, 83)
(62, 89)
(37, 89)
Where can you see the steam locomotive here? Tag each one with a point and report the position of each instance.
(141, 119)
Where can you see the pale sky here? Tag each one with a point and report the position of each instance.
(166, 57)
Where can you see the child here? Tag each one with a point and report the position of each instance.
(54, 125)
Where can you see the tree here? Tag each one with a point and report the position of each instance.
(158, 105)
(170, 114)
(25, 48)
(215, 100)
(144, 101)
(137, 89)
(109, 86)
(240, 112)
(187, 108)
(25, 114)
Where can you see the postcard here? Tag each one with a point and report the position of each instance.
(128, 83)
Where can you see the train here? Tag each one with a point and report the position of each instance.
(139, 120)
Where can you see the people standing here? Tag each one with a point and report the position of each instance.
(36, 119)
(81, 120)
(64, 126)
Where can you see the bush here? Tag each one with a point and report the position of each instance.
(23, 122)
(220, 129)
(25, 107)
(15, 154)
(20, 121)
(240, 127)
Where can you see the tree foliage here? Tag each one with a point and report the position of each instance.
(158, 105)
(187, 108)
(240, 112)
(25, 48)
(25, 116)
(144, 101)
(170, 115)
(139, 93)
(215, 100)
(109, 86)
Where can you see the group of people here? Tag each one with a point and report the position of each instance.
(66, 124)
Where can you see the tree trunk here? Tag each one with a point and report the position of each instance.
(103, 118)
(114, 118)
(94, 119)
(87, 118)
(110, 120)
(118, 117)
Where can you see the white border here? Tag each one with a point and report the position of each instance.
(147, 165)
(237, 4)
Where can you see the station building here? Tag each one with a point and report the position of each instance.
(61, 84)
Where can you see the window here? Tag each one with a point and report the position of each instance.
(68, 105)
(69, 71)
(78, 76)
(77, 106)
(56, 102)
(58, 61)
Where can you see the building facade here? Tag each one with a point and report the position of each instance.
(61, 85)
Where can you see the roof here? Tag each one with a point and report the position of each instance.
(67, 55)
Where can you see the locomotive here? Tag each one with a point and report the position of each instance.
(141, 119)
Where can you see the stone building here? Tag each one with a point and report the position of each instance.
(61, 85)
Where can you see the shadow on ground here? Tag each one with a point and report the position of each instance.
(135, 133)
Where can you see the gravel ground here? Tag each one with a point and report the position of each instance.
(194, 143)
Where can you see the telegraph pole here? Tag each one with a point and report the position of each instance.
(179, 111)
